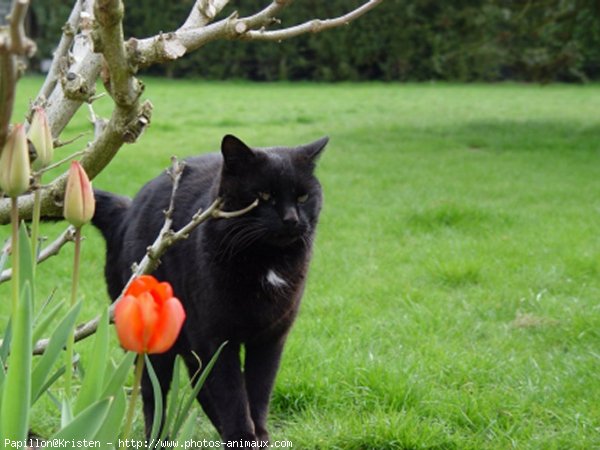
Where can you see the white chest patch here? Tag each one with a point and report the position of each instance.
(275, 280)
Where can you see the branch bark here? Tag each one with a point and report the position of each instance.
(62, 51)
(13, 43)
(192, 36)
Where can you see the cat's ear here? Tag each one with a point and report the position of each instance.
(236, 154)
(310, 153)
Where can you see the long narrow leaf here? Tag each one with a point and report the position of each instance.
(187, 404)
(187, 430)
(4, 350)
(86, 424)
(173, 399)
(5, 347)
(66, 413)
(16, 398)
(116, 381)
(4, 255)
(109, 431)
(93, 382)
(25, 262)
(42, 323)
(49, 382)
(56, 343)
(158, 400)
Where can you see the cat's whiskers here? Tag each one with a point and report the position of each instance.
(240, 236)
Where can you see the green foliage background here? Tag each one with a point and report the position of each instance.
(462, 40)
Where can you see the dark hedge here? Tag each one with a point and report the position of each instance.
(462, 40)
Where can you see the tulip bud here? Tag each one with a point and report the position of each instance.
(14, 163)
(79, 197)
(41, 137)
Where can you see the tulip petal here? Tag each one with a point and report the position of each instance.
(172, 316)
(79, 204)
(162, 292)
(141, 284)
(14, 163)
(41, 137)
(149, 312)
(129, 325)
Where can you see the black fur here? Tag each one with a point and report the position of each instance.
(240, 279)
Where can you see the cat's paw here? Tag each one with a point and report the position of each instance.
(243, 440)
(263, 437)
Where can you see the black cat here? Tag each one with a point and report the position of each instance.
(240, 279)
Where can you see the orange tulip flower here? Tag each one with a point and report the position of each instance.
(148, 318)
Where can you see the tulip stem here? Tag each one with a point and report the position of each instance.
(14, 250)
(139, 370)
(76, 259)
(71, 341)
(35, 221)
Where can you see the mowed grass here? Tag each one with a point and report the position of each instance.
(454, 294)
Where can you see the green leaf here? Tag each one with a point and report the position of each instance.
(16, 398)
(87, 423)
(49, 382)
(5, 348)
(119, 375)
(4, 256)
(55, 345)
(92, 384)
(25, 262)
(109, 431)
(66, 413)
(187, 431)
(173, 398)
(158, 400)
(187, 403)
(41, 324)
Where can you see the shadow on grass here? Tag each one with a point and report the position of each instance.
(483, 135)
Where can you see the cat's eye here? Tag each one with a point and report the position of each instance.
(303, 198)
(265, 196)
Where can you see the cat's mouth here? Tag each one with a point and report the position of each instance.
(285, 238)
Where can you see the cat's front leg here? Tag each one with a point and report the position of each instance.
(262, 362)
(223, 397)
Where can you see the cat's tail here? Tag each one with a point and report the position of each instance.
(109, 215)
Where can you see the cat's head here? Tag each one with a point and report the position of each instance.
(282, 179)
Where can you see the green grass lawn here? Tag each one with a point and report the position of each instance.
(454, 295)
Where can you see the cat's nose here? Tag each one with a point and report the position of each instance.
(290, 217)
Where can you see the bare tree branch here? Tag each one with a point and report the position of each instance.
(312, 26)
(62, 51)
(13, 43)
(145, 52)
(165, 239)
(122, 86)
(20, 44)
(203, 12)
(51, 249)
